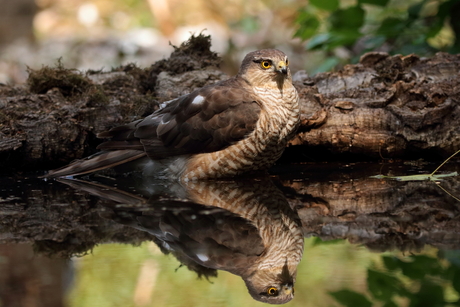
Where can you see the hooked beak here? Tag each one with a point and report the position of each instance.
(281, 67)
(287, 289)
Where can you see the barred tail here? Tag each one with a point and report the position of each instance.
(96, 162)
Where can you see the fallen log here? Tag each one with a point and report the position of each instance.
(383, 107)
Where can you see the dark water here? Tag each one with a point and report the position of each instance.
(102, 240)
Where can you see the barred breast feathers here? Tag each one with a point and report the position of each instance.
(279, 118)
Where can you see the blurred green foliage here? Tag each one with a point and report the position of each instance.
(332, 273)
(111, 276)
(398, 27)
(420, 280)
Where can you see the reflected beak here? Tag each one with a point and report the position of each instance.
(281, 67)
(288, 289)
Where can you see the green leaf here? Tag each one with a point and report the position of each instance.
(414, 10)
(327, 65)
(453, 256)
(349, 18)
(409, 48)
(382, 286)
(374, 2)
(392, 27)
(420, 177)
(420, 266)
(345, 37)
(391, 263)
(333, 40)
(416, 269)
(390, 304)
(445, 8)
(318, 41)
(373, 42)
(327, 5)
(350, 298)
(429, 295)
(456, 281)
(435, 28)
(443, 11)
(308, 25)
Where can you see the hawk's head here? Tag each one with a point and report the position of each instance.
(266, 67)
(272, 285)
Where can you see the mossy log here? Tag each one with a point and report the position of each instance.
(384, 107)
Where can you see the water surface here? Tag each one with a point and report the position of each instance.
(101, 240)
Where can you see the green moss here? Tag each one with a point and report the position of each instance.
(68, 81)
(96, 96)
(193, 54)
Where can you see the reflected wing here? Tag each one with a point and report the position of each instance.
(207, 120)
(220, 240)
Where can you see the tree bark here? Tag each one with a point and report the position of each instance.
(383, 107)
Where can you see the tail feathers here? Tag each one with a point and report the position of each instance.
(96, 162)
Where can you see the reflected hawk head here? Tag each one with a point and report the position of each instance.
(273, 286)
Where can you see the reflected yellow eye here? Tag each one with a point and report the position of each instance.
(266, 64)
(272, 291)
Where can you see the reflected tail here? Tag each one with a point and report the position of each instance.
(96, 162)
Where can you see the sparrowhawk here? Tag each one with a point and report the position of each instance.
(229, 128)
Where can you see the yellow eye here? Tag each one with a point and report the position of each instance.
(272, 291)
(266, 64)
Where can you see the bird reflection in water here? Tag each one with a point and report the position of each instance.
(246, 228)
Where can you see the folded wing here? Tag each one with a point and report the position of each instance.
(206, 120)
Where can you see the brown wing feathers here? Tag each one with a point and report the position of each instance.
(206, 120)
